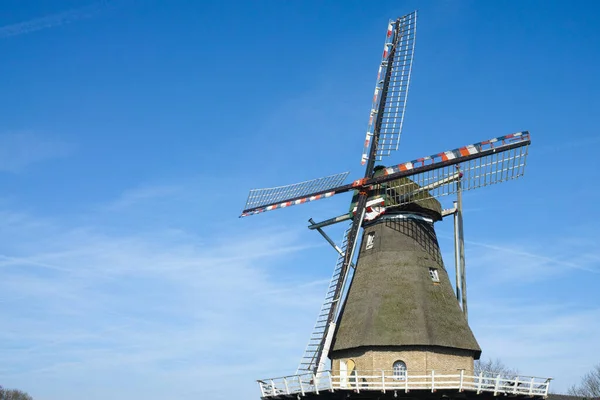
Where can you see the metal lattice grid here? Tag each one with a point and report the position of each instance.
(397, 92)
(478, 172)
(395, 67)
(266, 196)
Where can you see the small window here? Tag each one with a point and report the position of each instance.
(433, 273)
(399, 370)
(370, 241)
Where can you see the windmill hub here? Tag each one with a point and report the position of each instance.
(394, 325)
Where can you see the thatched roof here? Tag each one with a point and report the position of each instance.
(393, 301)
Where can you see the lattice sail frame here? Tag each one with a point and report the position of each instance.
(298, 191)
(400, 63)
(431, 173)
(472, 173)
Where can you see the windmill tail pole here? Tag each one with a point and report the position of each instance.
(322, 360)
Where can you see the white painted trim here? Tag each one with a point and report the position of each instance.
(383, 381)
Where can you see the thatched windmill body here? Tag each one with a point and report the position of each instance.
(393, 316)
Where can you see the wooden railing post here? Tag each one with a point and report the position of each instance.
(497, 384)
(531, 386)
(547, 387)
(330, 381)
(287, 388)
(300, 383)
(368, 380)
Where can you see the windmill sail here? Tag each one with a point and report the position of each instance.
(488, 167)
(484, 163)
(267, 199)
(389, 101)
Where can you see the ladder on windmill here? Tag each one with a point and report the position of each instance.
(317, 348)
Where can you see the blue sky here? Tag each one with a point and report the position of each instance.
(131, 132)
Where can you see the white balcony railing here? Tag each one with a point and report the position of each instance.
(383, 381)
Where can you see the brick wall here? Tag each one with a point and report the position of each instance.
(418, 359)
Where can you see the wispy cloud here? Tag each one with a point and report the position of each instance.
(155, 309)
(77, 302)
(52, 20)
(543, 260)
(539, 338)
(513, 262)
(529, 304)
(21, 149)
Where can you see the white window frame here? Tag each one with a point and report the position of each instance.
(434, 274)
(399, 370)
(370, 241)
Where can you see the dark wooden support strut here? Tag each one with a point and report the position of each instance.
(330, 221)
(326, 236)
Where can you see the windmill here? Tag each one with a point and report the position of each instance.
(395, 310)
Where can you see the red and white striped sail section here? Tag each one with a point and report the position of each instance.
(461, 152)
(482, 164)
(396, 63)
(287, 204)
(267, 199)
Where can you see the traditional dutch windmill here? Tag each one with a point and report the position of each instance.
(391, 323)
